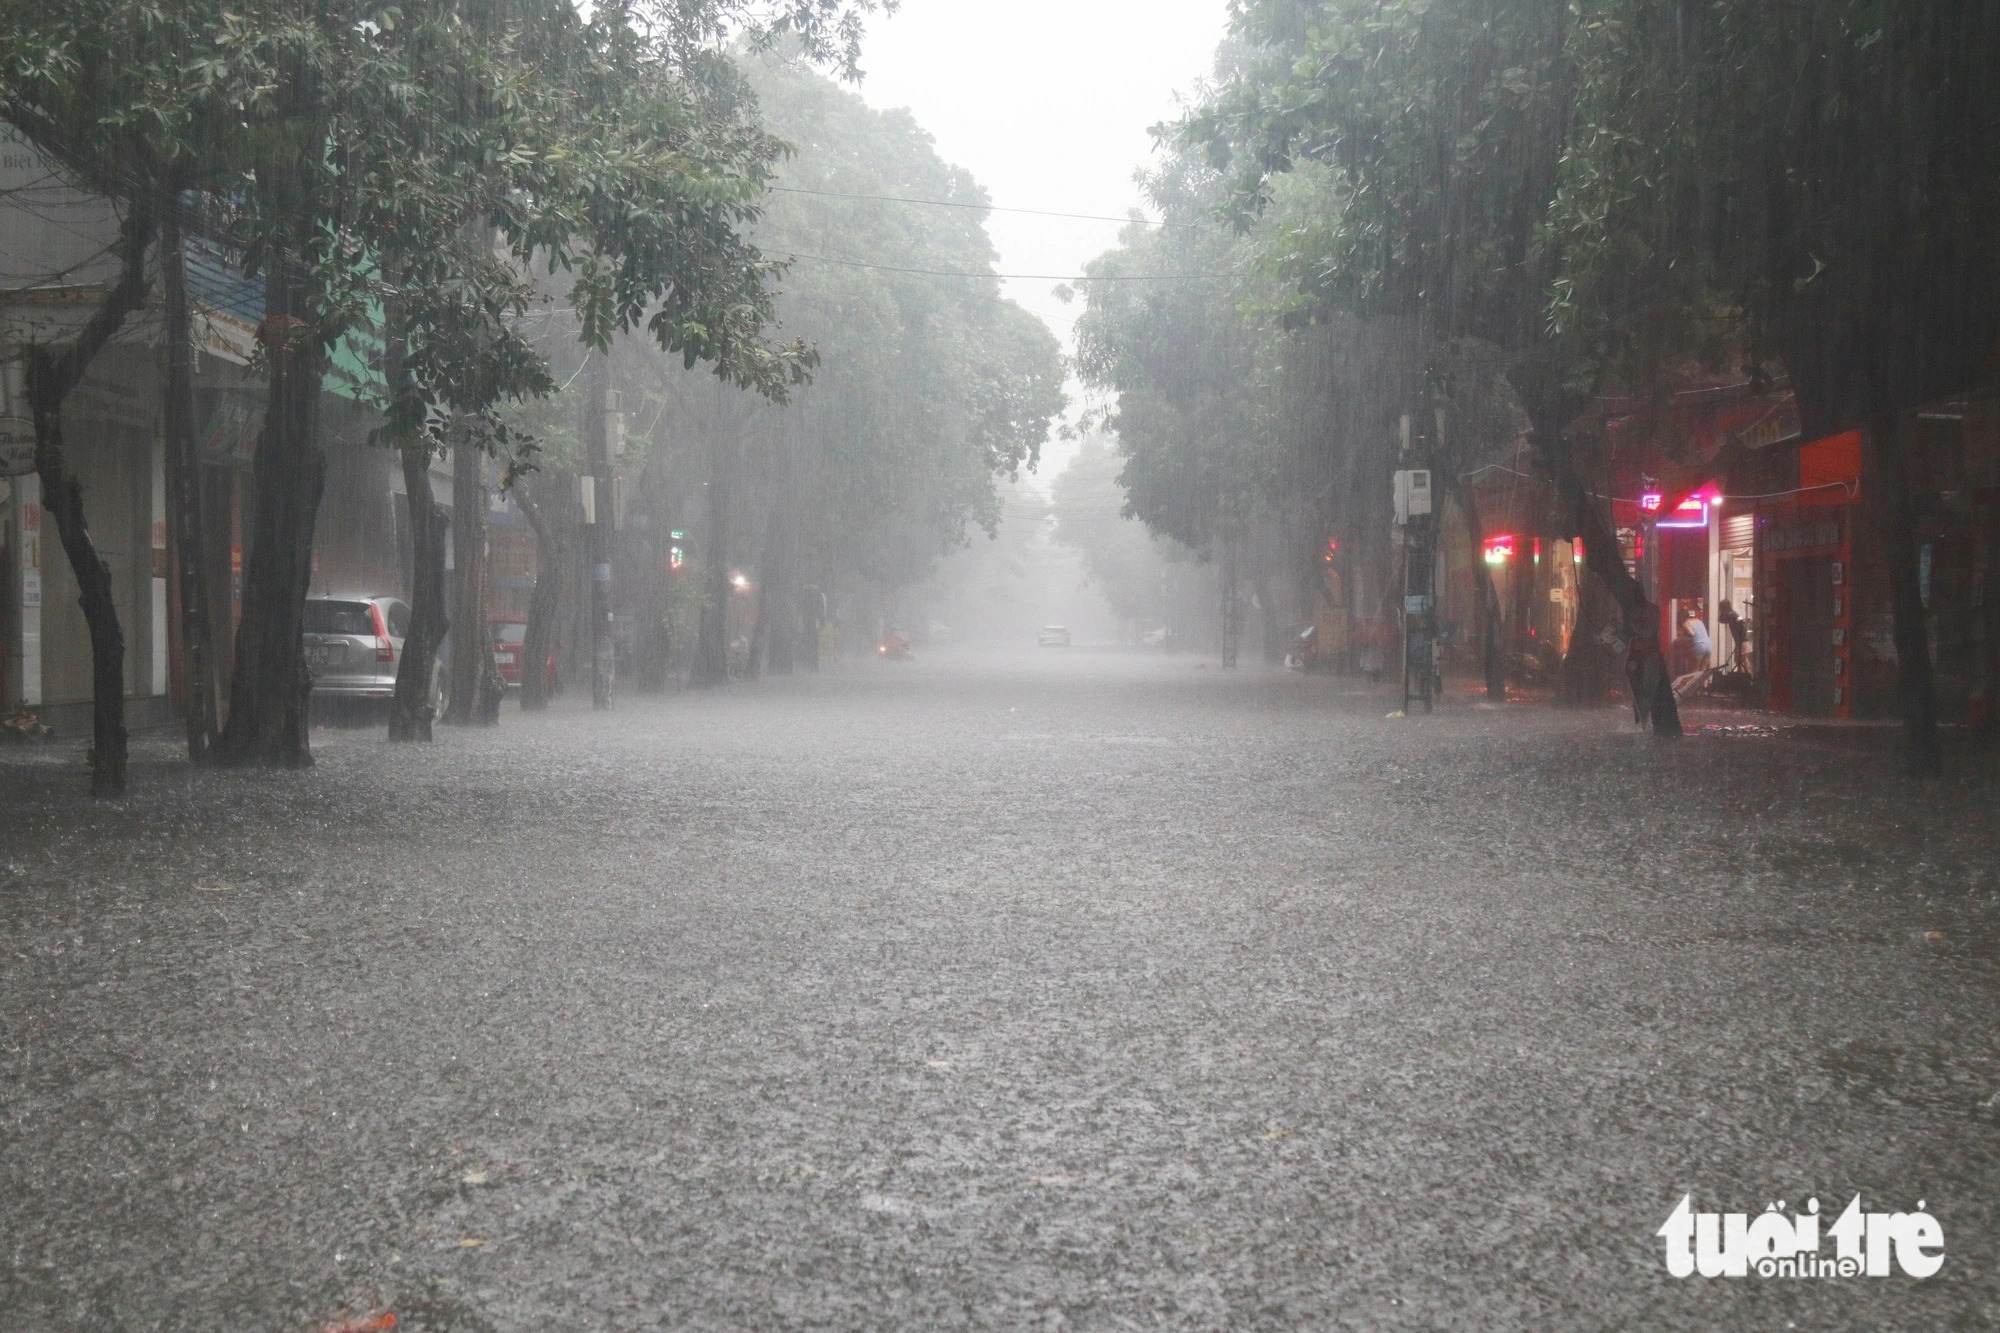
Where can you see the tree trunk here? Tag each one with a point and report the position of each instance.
(711, 653)
(1896, 522)
(1582, 681)
(51, 377)
(1232, 609)
(492, 689)
(414, 707)
(652, 639)
(575, 640)
(770, 582)
(62, 501)
(1518, 625)
(772, 638)
(812, 613)
(472, 670)
(1492, 664)
(223, 495)
(1652, 685)
(653, 646)
(1604, 583)
(598, 534)
(1267, 627)
(1990, 658)
(1549, 407)
(782, 607)
(270, 688)
(753, 656)
(544, 603)
(183, 468)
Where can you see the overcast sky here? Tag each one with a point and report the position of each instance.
(1047, 103)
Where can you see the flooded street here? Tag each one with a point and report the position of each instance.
(1068, 990)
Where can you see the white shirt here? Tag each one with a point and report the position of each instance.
(1699, 633)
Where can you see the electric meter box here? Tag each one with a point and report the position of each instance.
(1413, 493)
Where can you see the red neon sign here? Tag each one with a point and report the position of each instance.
(1689, 513)
(1499, 548)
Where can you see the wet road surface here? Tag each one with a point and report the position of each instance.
(1059, 991)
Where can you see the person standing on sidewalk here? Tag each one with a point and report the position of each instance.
(1703, 649)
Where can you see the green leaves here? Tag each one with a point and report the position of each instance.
(386, 149)
(926, 387)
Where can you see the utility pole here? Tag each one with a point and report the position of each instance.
(1414, 518)
(1232, 609)
(604, 439)
(183, 469)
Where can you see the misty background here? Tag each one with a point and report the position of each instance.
(1072, 139)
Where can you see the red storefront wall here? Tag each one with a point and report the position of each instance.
(1819, 612)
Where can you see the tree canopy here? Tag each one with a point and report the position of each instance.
(928, 384)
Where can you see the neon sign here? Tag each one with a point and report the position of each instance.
(1500, 548)
(1689, 513)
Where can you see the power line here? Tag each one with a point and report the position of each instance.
(55, 280)
(1028, 277)
(1849, 486)
(985, 208)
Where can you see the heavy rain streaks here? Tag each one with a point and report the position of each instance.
(832, 664)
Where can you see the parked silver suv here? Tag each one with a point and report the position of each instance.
(353, 646)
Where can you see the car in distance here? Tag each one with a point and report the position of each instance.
(509, 638)
(352, 647)
(1052, 636)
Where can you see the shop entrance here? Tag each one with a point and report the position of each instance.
(7, 594)
(1809, 600)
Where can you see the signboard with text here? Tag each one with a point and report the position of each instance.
(17, 446)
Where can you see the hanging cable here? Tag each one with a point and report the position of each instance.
(984, 208)
(1849, 486)
(1027, 277)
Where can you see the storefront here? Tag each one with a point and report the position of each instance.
(1954, 446)
(1823, 624)
(1676, 547)
(1685, 484)
(59, 244)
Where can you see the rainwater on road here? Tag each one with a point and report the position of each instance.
(1071, 990)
